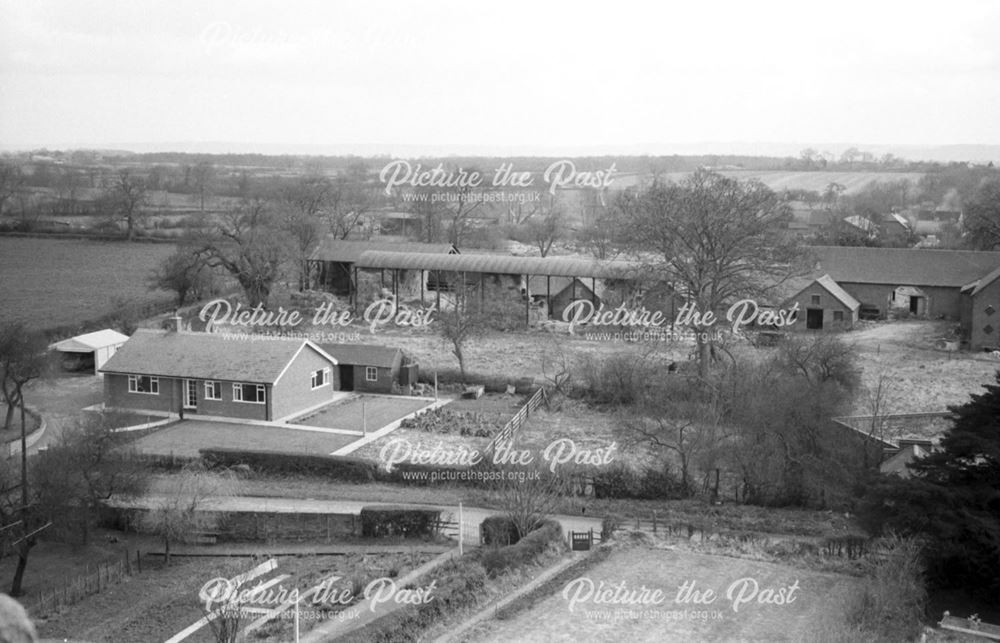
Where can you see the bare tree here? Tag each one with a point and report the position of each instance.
(180, 511)
(465, 319)
(184, 273)
(203, 175)
(249, 246)
(22, 359)
(715, 239)
(89, 464)
(527, 495)
(125, 197)
(11, 183)
(543, 231)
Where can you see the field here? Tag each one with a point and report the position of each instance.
(779, 180)
(819, 602)
(49, 283)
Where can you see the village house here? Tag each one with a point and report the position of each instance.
(185, 373)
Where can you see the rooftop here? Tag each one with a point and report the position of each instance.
(346, 251)
(204, 356)
(904, 266)
(500, 264)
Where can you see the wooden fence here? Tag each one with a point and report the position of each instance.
(509, 430)
(93, 581)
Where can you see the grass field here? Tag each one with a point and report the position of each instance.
(56, 282)
(779, 180)
(819, 603)
(186, 438)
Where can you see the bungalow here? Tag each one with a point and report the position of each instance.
(824, 305)
(372, 369)
(182, 373)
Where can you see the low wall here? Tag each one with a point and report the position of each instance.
(13, 447)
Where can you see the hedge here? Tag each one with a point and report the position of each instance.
(346, 469)
(399, 521)
(458, 586)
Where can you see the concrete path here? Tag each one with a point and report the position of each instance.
(298, 549)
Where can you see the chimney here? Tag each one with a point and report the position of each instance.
(177, 323)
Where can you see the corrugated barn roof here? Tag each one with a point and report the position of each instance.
(500, 264)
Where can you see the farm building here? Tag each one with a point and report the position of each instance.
(514, 272)
(203, 374)
(980, 319)
(90, 351)
(559, 292)
(333, 266)
(925, 283)
(823, 305)
(373, 369)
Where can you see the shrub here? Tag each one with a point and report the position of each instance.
(399, 521)
(891, 603)
(499, 530)
(653, 483)
(334, 467)
(526, 551)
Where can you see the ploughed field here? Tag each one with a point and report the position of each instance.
(48, 282)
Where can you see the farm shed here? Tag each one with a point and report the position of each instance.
(933, 278)
(368, 368)
(203, 374)
(473, 268)
(980, 318)
(333, 265)
(560, 292)
(90, 351)
(823, 305)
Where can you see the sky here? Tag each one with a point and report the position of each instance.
(509, 76)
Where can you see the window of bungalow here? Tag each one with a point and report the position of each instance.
(213, 390)
(252, 393)
(371, 374)
(143, 384)
(320, 378)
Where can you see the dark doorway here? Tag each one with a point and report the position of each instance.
(346, 377)
(814, 318)
(914, 305)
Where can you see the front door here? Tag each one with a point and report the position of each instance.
(814, 318)
(190, 394)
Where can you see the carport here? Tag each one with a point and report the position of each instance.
(90, 351)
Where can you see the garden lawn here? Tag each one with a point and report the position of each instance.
(371, 411)
(187, 438)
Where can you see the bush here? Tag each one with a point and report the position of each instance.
(653, 483)
(526, 551)
(891, 604)
(399, 521)
(498, 530)
(334, 467)
(459, 586)
(446, 421)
